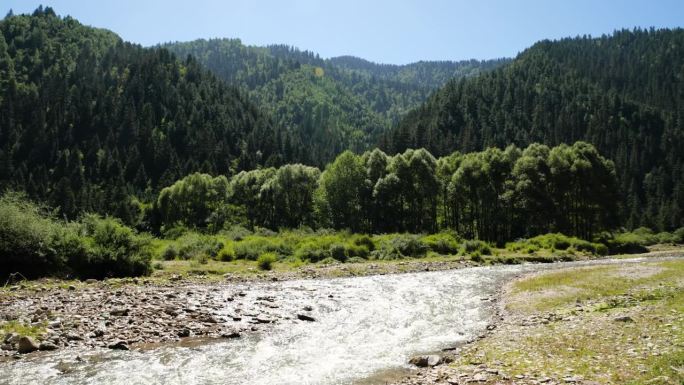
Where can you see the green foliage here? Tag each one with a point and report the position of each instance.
(198, 200)
(442, 243)
(27, 235)
(266, 261)
(329, 105)
(113, 250)
(476, 247)
(602, 90)
(557, 241)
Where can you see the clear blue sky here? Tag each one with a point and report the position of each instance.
(386, 31)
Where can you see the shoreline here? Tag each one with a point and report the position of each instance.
(123, 314)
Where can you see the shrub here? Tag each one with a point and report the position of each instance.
(408, 245)
(442, 243)
(469, 247)
(266, 261)
(116, 250)
(226, 254)
(252, 247)
(312, 251)
(170, 253)
(338, 252)
(355, 260)
(236, 233)
(365, 240)
(678, 235)
(27, 235)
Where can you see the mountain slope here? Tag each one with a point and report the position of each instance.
(349, 101)
(622, 93)
(86, 119)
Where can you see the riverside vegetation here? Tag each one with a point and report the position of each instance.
(474, 204)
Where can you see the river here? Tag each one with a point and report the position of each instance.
(364, 326)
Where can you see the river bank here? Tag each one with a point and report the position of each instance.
(135, 313)
(618, 324)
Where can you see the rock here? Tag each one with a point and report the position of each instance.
(625, 319)
(175, 278)
(230, 334)
(308, 308)
(99, 332)
(170, 310)
(263, 319)
(479, 377)
(11, 338)
(26, 345)
(119, 345)
(184, 333)
(56, 324)
(47, 346)
(119, 312)
(7, 347)
(304, 317)
(71, 287)
(426, 360)
(73, 336)
(91, 281)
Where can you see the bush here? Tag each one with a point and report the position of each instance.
(170, 253)
(406, 245)
(442, 243)
(252, 247)
(678, 235)
(266, 261)
(367, 242)
(338, 252)
(27, 236)
(226, 254)
(115, 250)
(470, 247)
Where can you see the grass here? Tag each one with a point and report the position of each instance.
(583, 337)
(33, 331)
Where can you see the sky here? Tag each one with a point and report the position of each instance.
(384, 31)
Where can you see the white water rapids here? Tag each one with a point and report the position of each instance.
(363, 326)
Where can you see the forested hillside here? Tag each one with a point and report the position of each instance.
(87, 120)
(327, 105)
(623, 93)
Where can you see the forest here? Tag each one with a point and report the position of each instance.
(580, 137)
(622, 92)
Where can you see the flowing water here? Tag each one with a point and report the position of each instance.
(363, 326)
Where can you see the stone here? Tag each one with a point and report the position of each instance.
(625, 319)
(119, 312)
(72, 287)
(119, 345)
(308, 308)
(73, 336)
(175, 278)
(26, 345)
(230, 334)
(426, 360)
(479, 377)
(46, 346)
(184, 333)
(304, 317)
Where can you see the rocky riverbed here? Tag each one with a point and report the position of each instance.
(322, 330)
(98, 316)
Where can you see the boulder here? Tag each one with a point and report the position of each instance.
(47, 346)
(625, 319)
(119, 345)
(26, 345)
(304, 317)
(428, 360)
